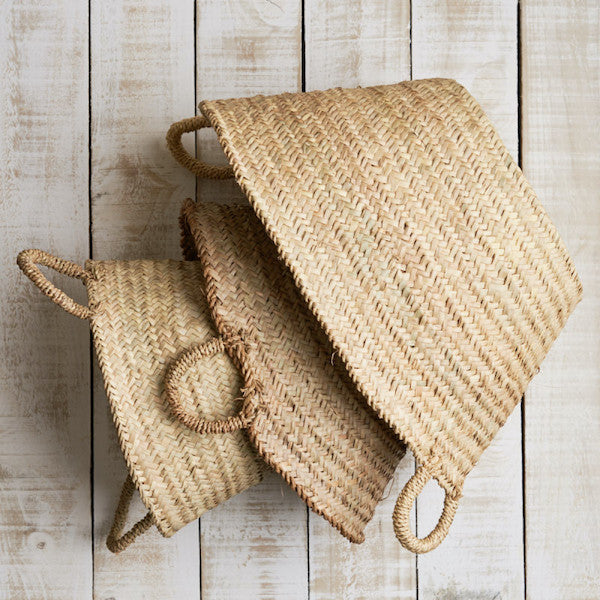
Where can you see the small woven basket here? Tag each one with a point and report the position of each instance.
(418, 246)
(147, 316)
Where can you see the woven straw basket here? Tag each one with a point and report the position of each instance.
(419, 248)
(302, 412)
(145, 317)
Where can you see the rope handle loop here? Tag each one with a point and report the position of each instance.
(401, 515)
(28, 261)
(184, 158)
(117, 541)
(173, 378)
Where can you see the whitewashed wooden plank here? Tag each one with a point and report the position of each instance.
(561, 159)
(365, 43)
(377, 569)
(45, 514)
(142, 79)
(362, 43)
(482, 557)
(254, 546)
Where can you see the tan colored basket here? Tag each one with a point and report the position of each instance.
(145, 315)
(419, 247)
(302, 411)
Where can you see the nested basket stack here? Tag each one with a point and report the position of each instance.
(393, 283)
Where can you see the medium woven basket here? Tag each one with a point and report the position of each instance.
(147, 316)
(420, 249)
(302, 412)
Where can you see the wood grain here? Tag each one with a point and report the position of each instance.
(142, 79)
(364, 45)
(254, 546)
(45, 525)
(149, 66)
(482, 557)
(561, 159)
(377, 569)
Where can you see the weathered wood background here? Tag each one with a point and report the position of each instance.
(87, 92)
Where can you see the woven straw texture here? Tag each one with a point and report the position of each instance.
(422, 251)
(146, 316)
(307, 420)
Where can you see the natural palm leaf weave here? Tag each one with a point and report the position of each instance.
(145, 315)
(302, 412)
(420, 248)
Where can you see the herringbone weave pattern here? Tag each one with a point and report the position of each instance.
(420, 248)
(144, 315)
(310, 423)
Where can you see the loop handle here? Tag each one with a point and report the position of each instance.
(401, 515)
(183, 157)
(173, 379)
(28, 261)
(115, 541)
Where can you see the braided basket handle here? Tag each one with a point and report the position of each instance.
(401, 516)
(173, 378)
(117, 541)
(28, 261)
(182, 156)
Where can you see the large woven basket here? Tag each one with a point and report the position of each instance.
(419, 247)
(145, 317)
